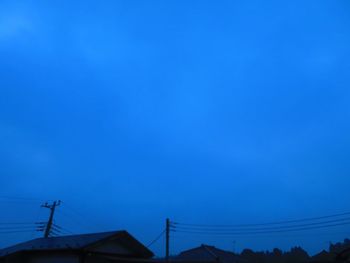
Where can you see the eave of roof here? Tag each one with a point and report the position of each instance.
(77, 242)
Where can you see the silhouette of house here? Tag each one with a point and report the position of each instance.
(117, 246)
(206, 253)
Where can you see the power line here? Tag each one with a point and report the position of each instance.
(16, 223)
(268, 223)
(69, 219)
(13, 232)
(258, 232)
(49, 227)
(20, 227)
(76, 216)
(279, 227)
(156, 239)
(291, 235)
(62, 229)
(26, 199)
(67, 231)
(36, 219)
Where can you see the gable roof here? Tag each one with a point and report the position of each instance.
(79, 242)
(207, 253)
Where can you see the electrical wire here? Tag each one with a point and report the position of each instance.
(259, 232)
(16, 223)
(76, 217)
(156, 239)
(268, 223)
(23, 199)
(62, 229)
(280, 227)
(13, 232)
(22, 227)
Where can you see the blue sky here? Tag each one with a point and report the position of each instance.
(201, 111)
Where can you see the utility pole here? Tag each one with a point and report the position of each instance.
(167, 237)
(49, 223)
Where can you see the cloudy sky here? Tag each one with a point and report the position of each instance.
(209, 112)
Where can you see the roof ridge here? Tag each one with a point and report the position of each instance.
(212, 253)
(77, 240)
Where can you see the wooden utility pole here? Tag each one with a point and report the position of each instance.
(49, 223)
(167, 237)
